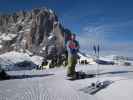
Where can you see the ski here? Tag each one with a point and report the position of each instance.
(95, 87)
(80, 75)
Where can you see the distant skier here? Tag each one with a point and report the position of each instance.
(72, 49)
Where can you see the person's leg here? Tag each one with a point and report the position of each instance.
(74, 62)
(71, 66)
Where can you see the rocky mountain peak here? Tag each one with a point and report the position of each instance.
(32, 31)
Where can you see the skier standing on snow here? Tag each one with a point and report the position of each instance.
(72, 49)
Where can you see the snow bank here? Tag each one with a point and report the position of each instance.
(9, 59)
(84, 57)
(36, 59)
(14, 57)
(108, 58)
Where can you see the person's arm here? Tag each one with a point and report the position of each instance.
(67, 46)
(77, 46)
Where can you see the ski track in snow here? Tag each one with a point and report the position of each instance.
(52, 87)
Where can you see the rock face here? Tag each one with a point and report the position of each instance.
(36, 32)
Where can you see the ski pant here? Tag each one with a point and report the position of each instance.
(72, 61)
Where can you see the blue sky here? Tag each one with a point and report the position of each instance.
(110, 22)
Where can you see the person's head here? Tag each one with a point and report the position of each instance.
(73, 37)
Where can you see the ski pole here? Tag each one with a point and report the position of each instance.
(96, 58)
(98, 50)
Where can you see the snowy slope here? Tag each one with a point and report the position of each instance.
(52, 84)
(86, 57)
(108, 58)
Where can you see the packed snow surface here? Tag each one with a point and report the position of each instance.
(52, 84)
